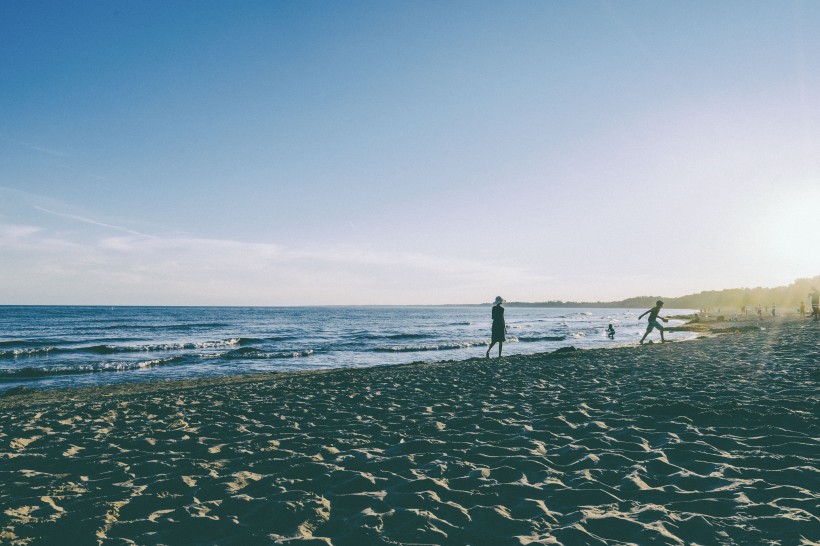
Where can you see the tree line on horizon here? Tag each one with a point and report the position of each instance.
(782, 296)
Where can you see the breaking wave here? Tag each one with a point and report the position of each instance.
(108, 349)
(48, 371)
(253, 352)
(542, 338)
(433, 347)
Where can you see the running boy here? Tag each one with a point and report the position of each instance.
(653, 321)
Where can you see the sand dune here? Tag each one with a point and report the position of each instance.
(713, 441)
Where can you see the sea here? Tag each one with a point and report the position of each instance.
(66, 346)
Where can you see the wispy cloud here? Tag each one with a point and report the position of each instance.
(190, 270)
(113, 263)
(54, 153)
(90, 221)
(11, 232)
(37, 148)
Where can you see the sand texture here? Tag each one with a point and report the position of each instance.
(712, 441)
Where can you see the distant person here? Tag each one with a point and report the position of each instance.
(653, 321)
(610, 332)
(815, 303)
(802, 310)
(759, 312)
(774, 310)
(499, 326)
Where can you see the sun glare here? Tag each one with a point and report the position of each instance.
(791, 228)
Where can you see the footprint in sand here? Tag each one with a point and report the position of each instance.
(72, 451)
(22, 514)
(22, 443)
(242, 480)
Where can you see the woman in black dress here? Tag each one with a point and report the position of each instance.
(499, 326)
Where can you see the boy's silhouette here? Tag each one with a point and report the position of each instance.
(653, 320)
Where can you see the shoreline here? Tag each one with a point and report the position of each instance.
(25, 395)
(713, 439)
(212, 343)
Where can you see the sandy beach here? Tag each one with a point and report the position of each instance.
(711, 441)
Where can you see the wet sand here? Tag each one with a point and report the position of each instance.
(712, 441)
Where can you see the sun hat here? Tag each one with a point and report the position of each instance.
(499, 299)
(659, 302)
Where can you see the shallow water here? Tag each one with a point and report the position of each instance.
(73, 346)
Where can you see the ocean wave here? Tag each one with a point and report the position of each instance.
(49, 371)
(216, 344)
(376, 337)
(541, 338)
(435, 347)
(26, 343)
(254, 340)
(108, 349)
(253, 352)
(250, 340)
(403, 336)
(23, 352)
(183, 326)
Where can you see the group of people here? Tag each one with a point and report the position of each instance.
(814, 297)
(759, 310)
(499, 329)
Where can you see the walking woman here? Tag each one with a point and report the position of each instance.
(499, 326)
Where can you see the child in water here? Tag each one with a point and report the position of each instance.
(653, 320)
(610, 332)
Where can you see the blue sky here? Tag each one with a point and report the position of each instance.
(286, 153)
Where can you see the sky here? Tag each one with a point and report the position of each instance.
(415, 152)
